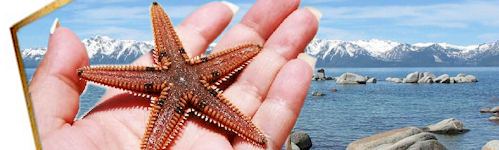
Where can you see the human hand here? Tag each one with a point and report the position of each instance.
(271, 90)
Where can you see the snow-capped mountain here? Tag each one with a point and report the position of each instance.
(330, 53)
(100, 49)
(381, 53)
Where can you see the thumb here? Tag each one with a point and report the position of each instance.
(55, 87)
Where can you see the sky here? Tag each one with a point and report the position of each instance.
(459, 22)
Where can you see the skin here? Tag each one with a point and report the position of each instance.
(271, 89)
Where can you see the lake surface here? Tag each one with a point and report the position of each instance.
(356, 111)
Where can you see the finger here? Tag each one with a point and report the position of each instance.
(259, 23)
(286, 42)
(203, 26)
(56, 88)
(278, 113)
(196, 32)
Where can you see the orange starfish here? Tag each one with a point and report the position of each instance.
(179, 86)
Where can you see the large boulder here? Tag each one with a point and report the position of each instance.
(427, 145)
(440, 78)
(491, 145)
(301, 139)
(463, 78)
(398, 139)
(412, 77)
(351, 78)
(384, 139)
(471, 78)
(426, 79)
(447, 126)
(417, 141)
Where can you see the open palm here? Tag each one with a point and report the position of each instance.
(271, 90)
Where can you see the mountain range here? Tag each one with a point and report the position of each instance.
(329, 53)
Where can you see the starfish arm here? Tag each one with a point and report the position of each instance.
(139, 80)
(167, 43)
(215, 108)
(167, 116)
(219, 68)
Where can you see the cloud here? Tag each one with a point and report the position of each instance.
(123, 33)
(109, 15)
(448, 15)
(340, 34)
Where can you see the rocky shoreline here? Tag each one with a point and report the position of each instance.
(412, 138)
(428, 77)
(414, 77)
(407, 138)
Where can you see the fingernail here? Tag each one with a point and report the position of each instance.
(55, 25)
(233, 7)
(315, 12)
(309, 59)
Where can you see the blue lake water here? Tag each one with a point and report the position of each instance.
(356, 111)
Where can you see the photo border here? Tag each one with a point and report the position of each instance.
(54, 5)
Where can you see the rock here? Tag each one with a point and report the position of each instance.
(491, 145)
(490, 110)
(452, 80)
(445, 80)
(301, 139)
(371, 80)
(426, 74)
(317, 93)
(384, 139)
(397, 80)
(334, 90)
(471, 78)
(426, 79)
(411, 140)
(320, 75)
(294, 146)
(485, 110)
(494, 118)
(351, 78)
(495, 110)
(461, 75)
(461, 80)
(439, 78)
(427, 145)
(412, 77)
(447, 126)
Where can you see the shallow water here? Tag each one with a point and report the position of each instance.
(356, 111)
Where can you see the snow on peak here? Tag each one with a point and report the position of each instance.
(104, 45)
(376, 46)
(447, 46)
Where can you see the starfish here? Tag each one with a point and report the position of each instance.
(179, 86)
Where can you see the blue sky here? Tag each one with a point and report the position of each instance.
(460, 22)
